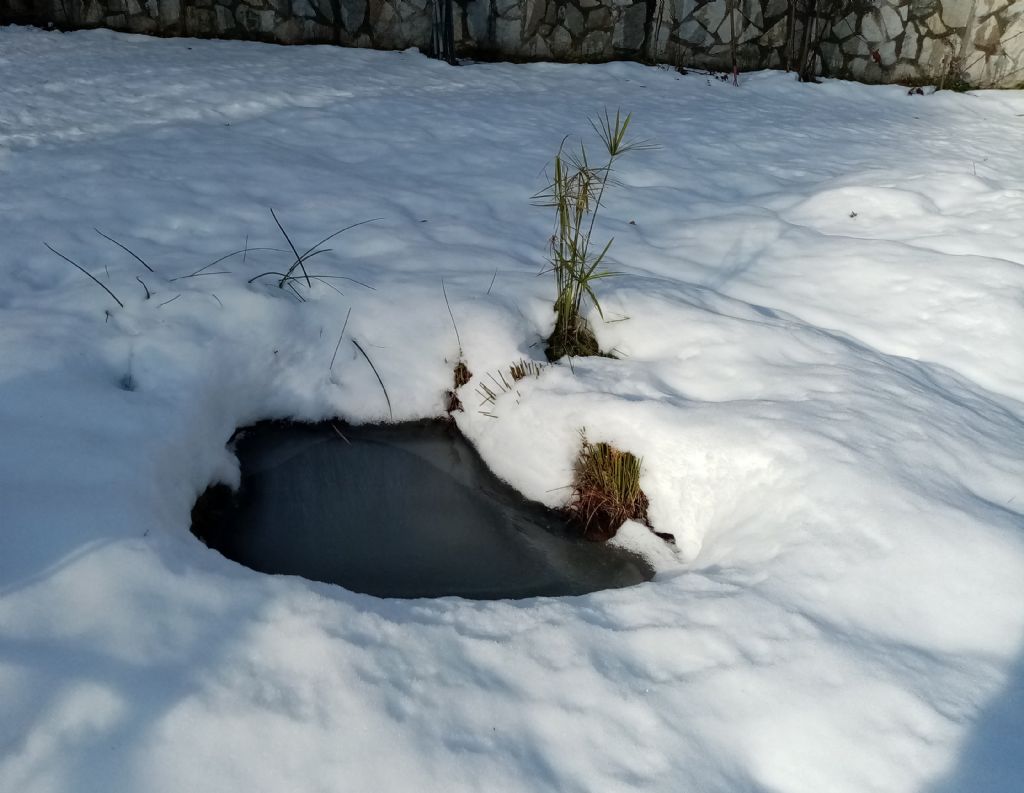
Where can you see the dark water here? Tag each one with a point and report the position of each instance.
(405, 510)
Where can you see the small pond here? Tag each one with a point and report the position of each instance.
(406, 510)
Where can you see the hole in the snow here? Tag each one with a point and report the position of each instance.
(407, 510)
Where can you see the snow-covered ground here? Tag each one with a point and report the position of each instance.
(821, 337)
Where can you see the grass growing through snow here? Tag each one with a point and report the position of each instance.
(576, 194)
(606, 490)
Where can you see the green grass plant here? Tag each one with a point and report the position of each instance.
(576, 194)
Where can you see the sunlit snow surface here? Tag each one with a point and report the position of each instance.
(821, 335)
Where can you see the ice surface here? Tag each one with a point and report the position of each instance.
(819, 328)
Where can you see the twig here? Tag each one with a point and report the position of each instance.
(243, 251)
(340, 435)
(125, 248)
(452, 315)
(169, 301)
(148, 295)
(298, 259)
(386, 397)
(493, 279)
(340, 337)
(93, 277)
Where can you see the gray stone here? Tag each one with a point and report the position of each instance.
(597, 44)
(225, 22)
(504, 6)
(935, 25)
(533, 15)
(871, 29)
(712, 14)
(560, 42)
(477, 20)
(986, 37)
(775, 8)
(924, 8)
(692, 32)
(170, 12)
(908, 48)
(832, 55)
(133, 7)
(987, 7)
(116, 21)
(955, 14)
(508, 34)
(891, 22)
(847, 26)
(573, 21)
(538, 48)
(776, 36)
(904, 71)
(302, 8)
(887, 53)
(629, 31)
(353, 13)
(599, 19)
(681, 9)
(289, 31)
(856, 46)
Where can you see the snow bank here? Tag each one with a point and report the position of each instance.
(819, 328)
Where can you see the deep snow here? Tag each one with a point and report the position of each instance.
(820, 325)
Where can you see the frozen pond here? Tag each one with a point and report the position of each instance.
(405, 510)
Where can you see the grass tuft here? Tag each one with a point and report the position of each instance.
(606, 490)
(576, 194)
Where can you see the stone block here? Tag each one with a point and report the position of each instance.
(908, 47)
(871, 28)
(572, 20)
(303, 9)
(353, 14)
(776, 36)
(533, 15)
(508, 35)
(985, 8)
(200, 21)
(142, 24)
(891, 22)
(905, 71)
(832, 55)
(935, 25)
(597, 44)
(599, 19)
(477, 16)
(92, 12)
(887, 53)
(537, 47)
(924, 8)
(629, 30)
(711, 14)
(503, 7)
(986, 36)
(692, 32)
(560, 42)
(956, 14)
(289, 31)
(681, 9)
(225, 21)
(776, 8)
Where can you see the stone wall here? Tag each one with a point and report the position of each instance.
(955, 42)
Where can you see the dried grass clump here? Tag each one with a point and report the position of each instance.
(606, 490)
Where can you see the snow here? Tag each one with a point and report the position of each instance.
(819, 325)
